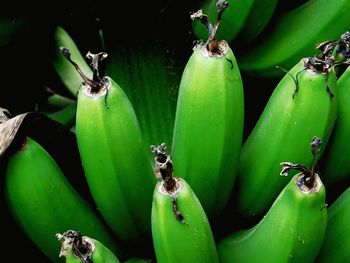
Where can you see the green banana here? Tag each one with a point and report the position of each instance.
(70, 77)
(115, 160)
(65, 116)
(304, 104)
(294, 36)
(233, 22)
(180, 229)
(335, 247)
(77, 248)
(258, 18)
(209, 117)
(43, 202)
(292, 230)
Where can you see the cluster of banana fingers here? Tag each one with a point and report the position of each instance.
(169, 201)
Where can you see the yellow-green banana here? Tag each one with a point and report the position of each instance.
(115, 160)
(335, 247)
(292, 230)
(303, 105)
(69, 76)
(235, 17)
(209, 120)
(43, 202)
(180, 229)
(77, 248)
(295, 35)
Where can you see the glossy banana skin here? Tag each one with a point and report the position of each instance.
(233, 21)
(115, 160)
(175, 241)
(44, 203)
(69, 76)
(295, 36)
(291, 231)
(336, 242)
(284, 120)
(208, 127)
(335, 167)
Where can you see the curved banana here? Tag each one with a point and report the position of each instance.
(258, 18)
(115, 160)
(303, 105)
(335, 247)
(43, 202)
(295, 35)
(180, 229)
(336, 163)
(209, 122)
(77, 248)
(65, 116)
(69, 76)
(232, 23)
(292, 230)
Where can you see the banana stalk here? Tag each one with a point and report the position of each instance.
(43, 202)
(115, 160)
(209, 120)
(69, 76)
(295, 35)
(292, 230)
(303, 105)
(180, 229)
(233, 22)
(83, 249)
(335, 247)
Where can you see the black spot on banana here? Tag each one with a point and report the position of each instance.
(209, 120)
(180, 229)
(292, 230)
(115, 160)
(303, 105)
(83, 249)
(43, 202)
(294, 35)
(335, 247)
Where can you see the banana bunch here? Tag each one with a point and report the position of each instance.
(42, 200)
(294, 227)
(208, 126)
(77, 248)
(115, 160)
(220, 195)
(303, 105)
(180, 229)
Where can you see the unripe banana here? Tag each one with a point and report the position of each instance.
(209, 121)
(69, 76)
(65, 116)
(236, 16)
(294, 36)
(303, 105)
(43, 202)
(76, 248)
(180, 229)
(115, 160)
(335, 248)
(336, 164)
(292, 230)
